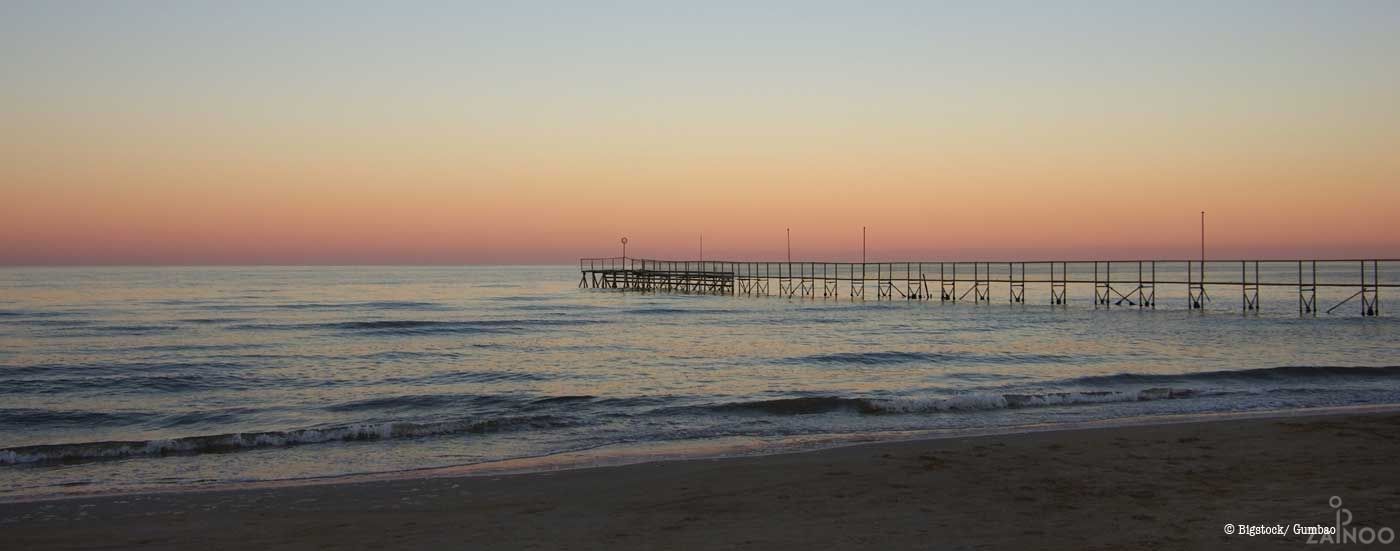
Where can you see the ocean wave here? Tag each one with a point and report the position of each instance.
(664, 311)
(86, 451)
(989, 401)
(564, 399)
(370, 305)
(422, 401)
(35, 417)
(184, 302)
(59, 323)
(458, 377)
(422, 327)
(890, 357)
(397, 325)
(792, 406)
(1256, 374)
(413, 327)
(556, 308)
(68, 418)
(90, 330)
(974, 401)
(143, 383)
(98, 369)
(400, 355)
(204, 417)
(194, 347)
(899, 357)
(500, 402)
(8, 314)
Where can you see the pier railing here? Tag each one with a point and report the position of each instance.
(1132, 283)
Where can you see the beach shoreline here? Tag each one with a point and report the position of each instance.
(708, 449)
(1168, 484)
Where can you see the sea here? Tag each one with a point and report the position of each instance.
(171, 378)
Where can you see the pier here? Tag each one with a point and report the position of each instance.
(1115, 283)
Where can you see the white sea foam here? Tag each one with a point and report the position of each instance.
(988, 401)
(963, 402)
(236, 441)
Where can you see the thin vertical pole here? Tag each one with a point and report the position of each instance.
(1203, 247)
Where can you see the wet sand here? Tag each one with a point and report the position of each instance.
(1146, 487)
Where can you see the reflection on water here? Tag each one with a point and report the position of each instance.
(126, 377)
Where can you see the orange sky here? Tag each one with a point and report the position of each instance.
(254, 143)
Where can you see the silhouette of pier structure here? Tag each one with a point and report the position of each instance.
(1115, 283)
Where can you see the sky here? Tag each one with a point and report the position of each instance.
(191, 132)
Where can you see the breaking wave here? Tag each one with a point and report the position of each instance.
(961, 402)
(49, 453)
(1264, 373)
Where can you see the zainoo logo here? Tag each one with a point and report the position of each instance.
(1344, 532)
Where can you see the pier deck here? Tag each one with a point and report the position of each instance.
(1132, 283)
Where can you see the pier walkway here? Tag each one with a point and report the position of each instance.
(1132, 283)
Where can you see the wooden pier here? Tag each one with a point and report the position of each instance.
(1132, 283)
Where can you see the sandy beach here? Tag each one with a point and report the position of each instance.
(1170, 486)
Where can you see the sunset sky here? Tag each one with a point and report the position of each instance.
(502, 132)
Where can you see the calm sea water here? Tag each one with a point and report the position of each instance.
(129, 378)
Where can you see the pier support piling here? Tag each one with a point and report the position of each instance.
(1058, 296)
(912, 280)
(1249, 300)
(949, 287)
(1307, 289)
(1196, 288)
(1016, 286)
(1370, 296)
